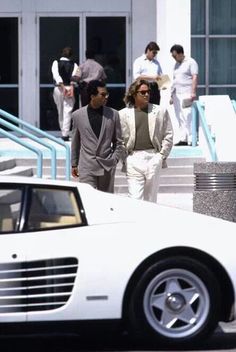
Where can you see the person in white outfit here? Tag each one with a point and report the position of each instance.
(63, 93)
(148, 137)
(183, 92)
(148, 67)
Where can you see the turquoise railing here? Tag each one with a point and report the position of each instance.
(36, 130)
(234, 104)
(198, 113)
(28, 146)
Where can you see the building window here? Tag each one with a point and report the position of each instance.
(213, 45)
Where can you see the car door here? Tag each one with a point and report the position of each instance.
(13, 273)
(52, 221)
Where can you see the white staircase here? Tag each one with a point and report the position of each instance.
(31, 163)
(177, 178)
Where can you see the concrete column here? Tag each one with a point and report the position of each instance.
(215, 189)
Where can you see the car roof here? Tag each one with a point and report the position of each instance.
(40, 181)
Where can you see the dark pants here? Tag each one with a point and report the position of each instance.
(155, 96)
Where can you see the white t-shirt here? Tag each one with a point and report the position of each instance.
(183, 73)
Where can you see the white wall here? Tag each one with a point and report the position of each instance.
(143, 25)
(173, 27)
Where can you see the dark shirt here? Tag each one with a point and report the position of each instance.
(142, 140)
(95, 119)
(65, 69)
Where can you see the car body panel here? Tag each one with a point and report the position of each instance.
(121, 234)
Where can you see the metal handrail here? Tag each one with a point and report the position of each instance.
(44, 134)
(36, 139)
(198, 112)
(234, 104)
(27, 145)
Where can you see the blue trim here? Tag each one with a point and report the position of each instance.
(234, 104)
(198, 113)
(28, 146)
(38, 140)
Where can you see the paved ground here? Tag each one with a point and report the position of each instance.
(177, 200)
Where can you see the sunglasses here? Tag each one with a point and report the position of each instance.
(105, 95)
(143, 92)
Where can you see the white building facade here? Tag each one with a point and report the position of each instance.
(33, 33)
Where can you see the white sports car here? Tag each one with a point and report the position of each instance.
(69, 253)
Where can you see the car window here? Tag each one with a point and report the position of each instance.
(52, 208)
(10, 204)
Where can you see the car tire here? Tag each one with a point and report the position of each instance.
(176, 300)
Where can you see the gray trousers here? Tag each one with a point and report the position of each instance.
(103, 183)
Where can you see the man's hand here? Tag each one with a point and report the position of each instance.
(74, 171)
(69, 91)
(193, 96)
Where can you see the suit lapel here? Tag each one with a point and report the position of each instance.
(102, 128)
(151, 123)
(132, 123)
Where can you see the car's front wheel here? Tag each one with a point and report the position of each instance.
(176, 300)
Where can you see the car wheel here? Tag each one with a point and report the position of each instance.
(176, 300)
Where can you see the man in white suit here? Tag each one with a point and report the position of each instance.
(148, 137)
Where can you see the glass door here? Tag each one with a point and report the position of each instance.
(9, 64)
(107, 37)
(55, 33)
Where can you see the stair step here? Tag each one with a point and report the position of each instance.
(61, 171)
(7, 163)
(17, 171)
(166, 188)
(33, 162)
(178, 170)
(183, 161)
(176, 179)
(176, 188)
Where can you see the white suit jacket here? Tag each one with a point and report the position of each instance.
(160, 129)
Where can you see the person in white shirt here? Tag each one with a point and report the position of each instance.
(148, 68)
(63, 93)
(183, 92)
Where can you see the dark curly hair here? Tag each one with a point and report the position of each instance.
(92, 88)
(129, 98)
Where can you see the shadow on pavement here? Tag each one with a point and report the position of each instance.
(103, 342)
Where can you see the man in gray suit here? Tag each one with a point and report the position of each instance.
(96, 145)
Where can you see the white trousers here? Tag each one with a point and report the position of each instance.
(64, 108)
(143, 174)
(183, 116)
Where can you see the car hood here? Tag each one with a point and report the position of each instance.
(105, 208)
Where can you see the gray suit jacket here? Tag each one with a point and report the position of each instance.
(94, 155)
(160, 129)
